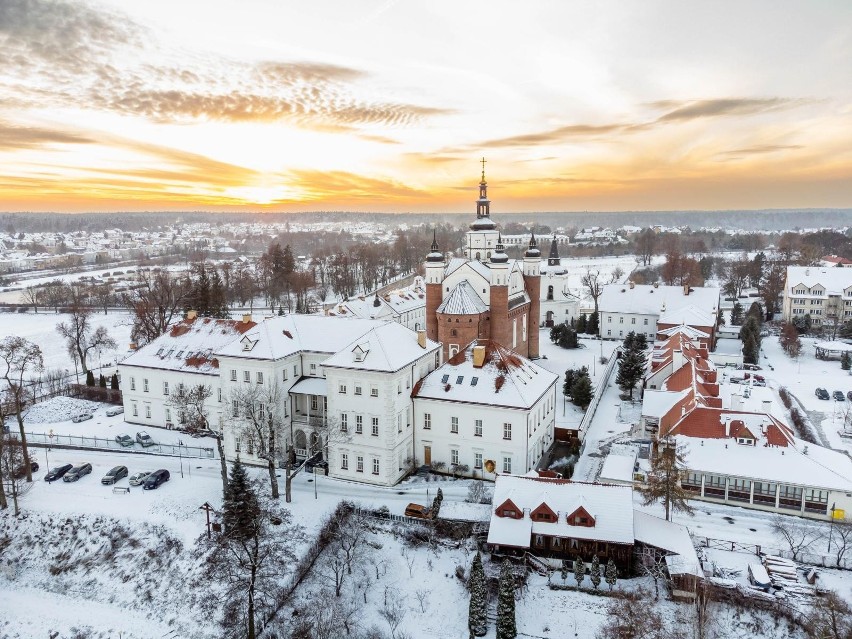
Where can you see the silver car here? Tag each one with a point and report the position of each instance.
(82, 417)
(138, 478)
(78, 471)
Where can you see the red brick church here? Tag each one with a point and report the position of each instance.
(484, 295)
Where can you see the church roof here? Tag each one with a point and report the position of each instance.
(462, 300)
(554, 250)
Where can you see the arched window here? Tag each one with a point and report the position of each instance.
(453, 333)
(550, 293)
(477, 255)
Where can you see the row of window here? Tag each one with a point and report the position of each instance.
(477, 461)
(258, 378)
(358, 390)
(621, 333)
(621, 320)
(359, 463)
(477, 426)
(359, 424)
(738, 485)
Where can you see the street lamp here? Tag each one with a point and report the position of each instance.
(180, 455)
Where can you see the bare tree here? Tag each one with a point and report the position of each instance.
(32, 296)
(259, 415)
(632, 616)
(5, 411)
(646, 242)
(422, 598)
(831, 618)
(796, 535)
(410, 558)
(327, 617)
(80, 338)
(191, 406)
(594, 285)
(20, 358)
(841, 535)
(157, 300)
(11, 469)
(393, 611)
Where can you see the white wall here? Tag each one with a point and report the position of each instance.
(618, 325)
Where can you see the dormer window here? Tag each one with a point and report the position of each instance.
(745, 441)
(247, 343)
(581, 517)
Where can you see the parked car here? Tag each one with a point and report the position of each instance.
(737, 380)
(821, 393)
(417, 510)
(749, 367)
(144, 438)
(138, 479)
(82, 417)
(125, 440)
(153, 481)
(119, 472)
(57, 472)
(78, 471)
(21, 470)
(849, 396)
(117, 410)
(838, 396)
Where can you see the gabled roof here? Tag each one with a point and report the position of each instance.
(462, 300)
(687, 316)
(505, 379)
(834, 280)
(386, 347)
(190, 345)
(646, 299)
(612, 507)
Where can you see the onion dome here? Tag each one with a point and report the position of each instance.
(435, 254)
(499, 255)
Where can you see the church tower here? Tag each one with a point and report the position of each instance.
(532, 282)
(482, 236)
(434, 280)
(500, 295)
(553, 258)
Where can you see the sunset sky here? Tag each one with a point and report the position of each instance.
(378, 105)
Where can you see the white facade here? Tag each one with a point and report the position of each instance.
(464, 418)
(823, 293)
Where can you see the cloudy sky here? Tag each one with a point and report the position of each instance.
(379, 105)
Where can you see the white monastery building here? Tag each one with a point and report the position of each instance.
(823, 293)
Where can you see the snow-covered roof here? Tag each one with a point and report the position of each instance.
(618, 468)
(388, 346)
(190, 346)
(646, 299)
(476, 266)
(611, 507)
(801, 463)
(687, 316)
(462, 300)
(310, 386)
(834, 280)
(656, 403)
(690, 331)
(841, 347)
(667, 535)
(505, 379)
(278, 337)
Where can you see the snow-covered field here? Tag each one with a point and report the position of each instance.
(40, 328)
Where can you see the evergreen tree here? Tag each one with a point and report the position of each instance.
(240, 508)
(750, 336)
(720, 318)
(477, 621)
(506, 628)
(804, 322)
(845, 361)
(611, 573)
(579, 571)
(845, 330)
(555, 332)
(280, 309)
(201, 290)
(102, 381)
(631, 367)
(90, 378)
(563, 570)
(640, 342)
(592, 328)
(581, 391)
(113, 383)
(737, 314)
(755, 311)
(568, 338)
(582, 324)
(596, 572)
(436, 504)
(570, 378)
(218, 297)
(628, 341)
(663, 483)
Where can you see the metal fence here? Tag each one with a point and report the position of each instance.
(599, 391)
(82, 442)
(804, 557)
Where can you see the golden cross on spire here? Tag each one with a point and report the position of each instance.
(483, 169)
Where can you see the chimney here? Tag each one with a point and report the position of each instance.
(678, 360)
(631, 284)
(478, 356)
(727, 425)
(246, 318)
(767, 406)
(421, 338)
(191, 315)
(133, 346)
(736, 402)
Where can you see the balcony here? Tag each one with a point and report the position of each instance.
(312, 420)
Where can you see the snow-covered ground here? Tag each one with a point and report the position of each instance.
(558, 360)
(40, 328)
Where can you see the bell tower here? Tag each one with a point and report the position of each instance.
(481, 239)
(434, 282)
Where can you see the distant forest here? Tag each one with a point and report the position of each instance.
(754, 220)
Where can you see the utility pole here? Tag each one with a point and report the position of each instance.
(207, 508)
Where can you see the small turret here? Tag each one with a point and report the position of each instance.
(532, 250)
(499, 255)
(553, 258)
(435, 254)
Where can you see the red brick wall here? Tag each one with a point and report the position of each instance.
(433, 301)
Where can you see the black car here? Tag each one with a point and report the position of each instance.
(57, 473)
(114, 475)
(315, 462)
(821, 393)
(78, 471)
(838, 396)
(153, 481)
(21, 470)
